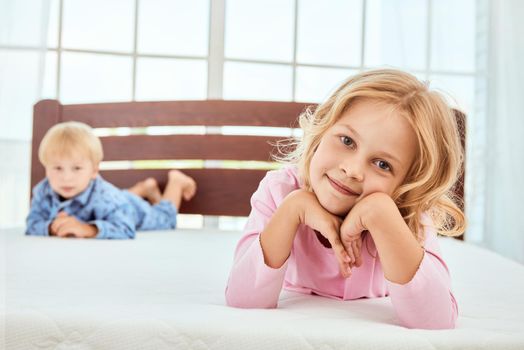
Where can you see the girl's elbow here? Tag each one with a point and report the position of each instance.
(244, 301)
(433, 323)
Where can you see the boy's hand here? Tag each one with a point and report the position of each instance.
(69, 226)
(312, 214)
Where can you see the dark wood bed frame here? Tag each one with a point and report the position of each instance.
(220, 191)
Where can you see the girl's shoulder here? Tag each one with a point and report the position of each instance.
(277, 184)
(286, 176)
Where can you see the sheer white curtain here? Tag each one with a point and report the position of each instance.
(504, 163)
(23, 38)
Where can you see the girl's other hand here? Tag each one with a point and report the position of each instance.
(351, 232)
(354, 224)
(312, 214)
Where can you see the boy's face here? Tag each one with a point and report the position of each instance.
(70, 176)
(369, 149)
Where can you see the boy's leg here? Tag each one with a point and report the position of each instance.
(179, 186)
(147, 189)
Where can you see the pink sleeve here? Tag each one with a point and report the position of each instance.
(426, 301)
(253, 284)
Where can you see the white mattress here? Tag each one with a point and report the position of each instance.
(165, 290)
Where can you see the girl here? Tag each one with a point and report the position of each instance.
(357, 211)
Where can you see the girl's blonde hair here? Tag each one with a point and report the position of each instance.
(427, 187)
(70, 139)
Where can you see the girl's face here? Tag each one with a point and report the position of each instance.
(70, 176)
(369, 149)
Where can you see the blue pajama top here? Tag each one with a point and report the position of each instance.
(116, 213)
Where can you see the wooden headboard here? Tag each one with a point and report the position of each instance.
(220, 191)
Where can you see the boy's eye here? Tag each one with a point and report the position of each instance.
(77, 168)
(346, 140)
(383, 165)
(58, 168)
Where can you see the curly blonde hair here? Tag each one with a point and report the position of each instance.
(427, 187)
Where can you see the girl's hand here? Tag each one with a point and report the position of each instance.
(355, 223)
(352, 229)
(312, 214)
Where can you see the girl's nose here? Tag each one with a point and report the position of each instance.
(353, 170)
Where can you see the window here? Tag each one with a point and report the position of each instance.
(233, 49)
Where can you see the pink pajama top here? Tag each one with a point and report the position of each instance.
(424, 302)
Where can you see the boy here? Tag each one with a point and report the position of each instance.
(74, 201)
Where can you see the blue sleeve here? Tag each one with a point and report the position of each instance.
(118, 223)
(39, 219)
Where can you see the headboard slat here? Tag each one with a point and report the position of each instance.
(227, 147)
(208, 112)
(220, 191)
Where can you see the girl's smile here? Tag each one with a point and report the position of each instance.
(345, 190)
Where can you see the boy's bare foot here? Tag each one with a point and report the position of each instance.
(153, 194)
(179, 186)
(147, 189)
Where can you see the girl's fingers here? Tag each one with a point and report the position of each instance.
(356, 252)
(343, 258)
(359, 245)
(352, 253)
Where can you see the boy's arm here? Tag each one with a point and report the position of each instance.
(38, 220)
(118, 223)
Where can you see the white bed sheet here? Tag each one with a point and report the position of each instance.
(165, 290)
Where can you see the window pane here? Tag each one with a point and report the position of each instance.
(396, 33)
(52, 29)
(260, 30)
(459, 90)
(171, 79)
(176, 27)
(49, 84)
(14, 185)
(316, 84)
(95, 78)
(249, 81)
(98, 25)
(329, 32)
(19, 90)
(21, 22)
(453, 35)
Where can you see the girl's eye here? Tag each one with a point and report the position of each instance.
(77, 168)
(58, 168)
(348, 141)
(383, 165)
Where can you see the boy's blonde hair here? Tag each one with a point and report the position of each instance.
(70, 139)
(428, 183)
